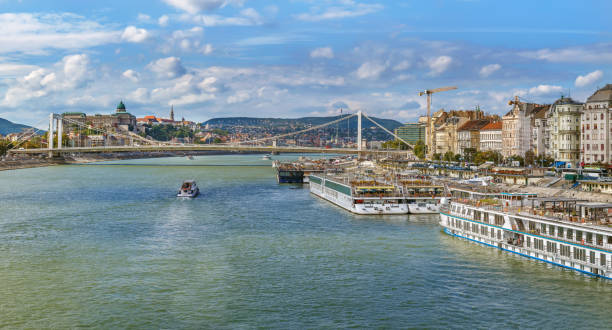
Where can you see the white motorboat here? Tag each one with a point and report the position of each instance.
(188, 189)
(266, 157)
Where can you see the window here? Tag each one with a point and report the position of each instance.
(560, 231)
(602, 116)
(579, 254)
(599, 239)
(570, 234)
(564, 250)
(602, 259)
(578, 235)
(589, 238)
(592, 257)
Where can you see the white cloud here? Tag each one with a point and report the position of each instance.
(16, 69)
(194, 6)
(144, 17)
(247, 17)
(131, 75)
(71, 73)
(239, 97)
(323, 52)
(169, 67)
(36, 33)
(370, 70)
(401, 66)
(598, 53)
(140, 95)
(207, 49)
(134, 34)
(191, 99)
(439, 64)
(589, 79)
(163, 20)
(347, 9)
(545, 90)
(488, 70)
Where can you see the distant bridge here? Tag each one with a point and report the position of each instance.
(137, 143)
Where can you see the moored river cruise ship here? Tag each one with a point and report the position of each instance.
(570, 233)
(360, 197)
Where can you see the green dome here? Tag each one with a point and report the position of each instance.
(121, 106)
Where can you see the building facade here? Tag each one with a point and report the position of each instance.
(411, 132)
(121, 120)
(468, 135)
(539, 131)
(491, 137)
(595, 127)
(517, 128)
(564, 130)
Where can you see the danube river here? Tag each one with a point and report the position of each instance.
(110, 246)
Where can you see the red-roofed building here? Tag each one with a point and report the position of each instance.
(491, 137)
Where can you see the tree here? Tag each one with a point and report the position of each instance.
(449, 156)
(4, 147)
(394, 144)
(437, 157)
(457, 157)
(544, 161)
(518, 158)
(529, 157)
(419, 149)
(469, 154)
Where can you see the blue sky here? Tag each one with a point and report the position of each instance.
(212, 58)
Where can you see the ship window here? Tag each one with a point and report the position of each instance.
(589, 238)
(560, 231)
(570, 234)
(499, 234)
(599, 239)
(592, 257)
(528, 241)
(564, 250)
(609, 239)
(543, 226)
(602, 259)
(578, 235)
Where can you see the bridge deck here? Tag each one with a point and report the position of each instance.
(200, 147)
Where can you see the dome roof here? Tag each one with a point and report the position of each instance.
(121, 106)
(602, 94)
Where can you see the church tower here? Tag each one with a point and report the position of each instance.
(172, 112)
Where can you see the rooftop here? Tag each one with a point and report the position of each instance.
(473, 125)
(602, 94)
(492, 126)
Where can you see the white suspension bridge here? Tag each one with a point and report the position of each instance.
(132, 142)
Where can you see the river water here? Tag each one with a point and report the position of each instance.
(110, 246)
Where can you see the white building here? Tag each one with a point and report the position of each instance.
(595, 127)
(491, 137)
(564, 130)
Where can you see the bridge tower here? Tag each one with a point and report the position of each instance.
(50, 135)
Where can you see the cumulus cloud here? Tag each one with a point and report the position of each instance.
(169, 67)
(71, 73)
(163, 20)
(134, 34)
(369, 70)
(345, 10)
(131, 75)
(588, 79)
(410, 105)
(144, 17)
(439, 64)
(487, 70)
(545, 90)
(323, 52)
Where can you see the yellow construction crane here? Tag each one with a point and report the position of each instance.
(428, 92)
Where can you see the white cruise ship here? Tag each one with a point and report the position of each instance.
(423, 196)
(570, 233)
(360, 197)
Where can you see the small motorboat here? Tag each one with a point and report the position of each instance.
(188, 189)
(266, 157)
(190, 157)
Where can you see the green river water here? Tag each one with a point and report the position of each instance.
(110, 246)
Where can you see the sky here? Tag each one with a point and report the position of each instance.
(295, 58)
